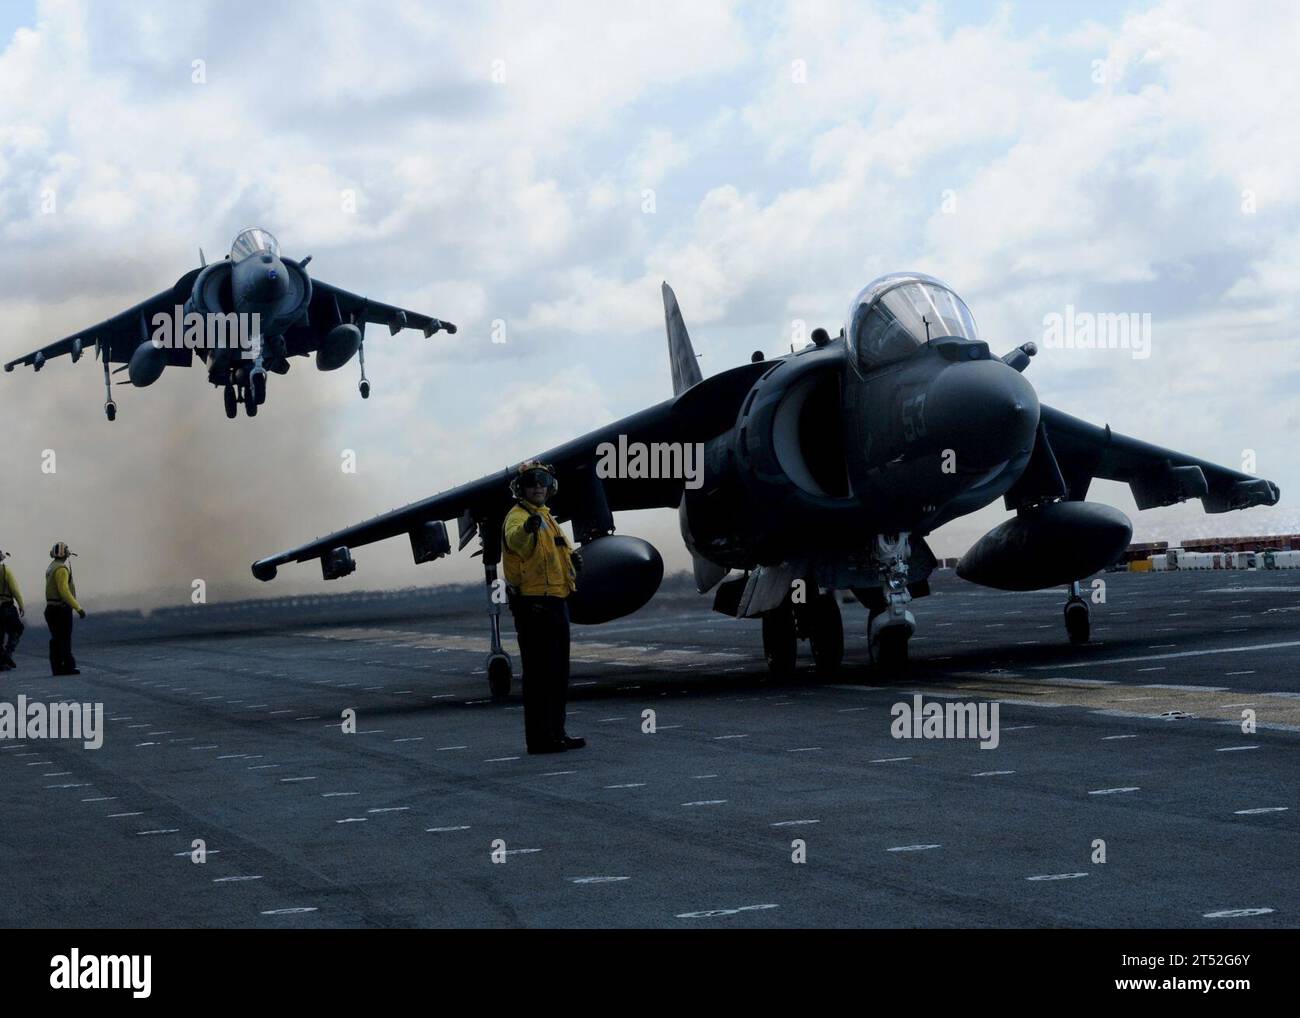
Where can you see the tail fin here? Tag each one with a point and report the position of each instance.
(681, 355)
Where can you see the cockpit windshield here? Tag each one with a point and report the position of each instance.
(895, 314)
(251, 242)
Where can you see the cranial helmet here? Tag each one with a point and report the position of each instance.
(61, 551)
(530, 470)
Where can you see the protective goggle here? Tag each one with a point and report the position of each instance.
(537, 479)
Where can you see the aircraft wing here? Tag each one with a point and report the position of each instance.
(1156, 476)
(116, 338)
(361, 309)
(484, 503)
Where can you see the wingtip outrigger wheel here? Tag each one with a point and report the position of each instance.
(110, 410)
(364, 386)
(1077, 624)
(500, 672)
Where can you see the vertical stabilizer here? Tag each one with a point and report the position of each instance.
(681, 356)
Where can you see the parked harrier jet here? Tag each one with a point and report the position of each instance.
(825, 469)
(243, 316)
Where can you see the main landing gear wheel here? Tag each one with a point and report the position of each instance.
(780, 640)
(231, 401)
(825, 631)
(365, 389)
(110, 410)
(258, 385)
(249, 400)
(499, 676)
(1077, 624)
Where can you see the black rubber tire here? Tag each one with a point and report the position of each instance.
(499, 677)
(110, 411)
(231, 402)
(891, 656)
(365, 390)
(780, 640)
(1078, 626)
(826, 634)
(250, 404)
(258, 385)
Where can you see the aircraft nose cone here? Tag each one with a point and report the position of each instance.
(985, 411)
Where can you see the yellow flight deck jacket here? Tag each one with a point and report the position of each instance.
(59, 585)
(537, 564)
(9, 588)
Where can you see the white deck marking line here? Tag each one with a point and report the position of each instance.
(1108, 738)
(291, 911)
(501, 759)
(1234, 749)
(234, 880)
(443, 830)
(114, 816)
(352, 820)
(444, 749)
(331, 795)
(310, 777)
(388, 809)
(706, 802)
(101, 798)
(1058, 876)
(1165, 657)
(912, 848)
(630, 784)
(160, 830)
(597, 880)
(890, 759)
(1115, 791)
(794, 823)
(411, 738)
(521, 851)
(805, 749)
(76, 784)
(1261, 809)
(990, 774)
(556, 774)
(1237, 913)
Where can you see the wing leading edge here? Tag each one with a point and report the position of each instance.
(1156, 476)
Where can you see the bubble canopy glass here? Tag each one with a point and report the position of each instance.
(251, 242)
(893, 315)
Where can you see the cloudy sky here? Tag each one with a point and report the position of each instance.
(546, 168)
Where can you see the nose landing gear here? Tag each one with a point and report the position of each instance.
(890, 627)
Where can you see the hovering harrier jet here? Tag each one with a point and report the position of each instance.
(243, 316)
(825, 470)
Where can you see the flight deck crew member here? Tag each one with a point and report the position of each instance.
(60, 603)
(11, 615)
(541, 572)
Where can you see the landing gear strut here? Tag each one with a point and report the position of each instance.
(364, 385)
(110, 408)
(1077, 625)
(499, 668)
(890, 627)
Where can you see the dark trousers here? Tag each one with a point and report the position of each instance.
(542, 625)
(11, 630)
(59, 618)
